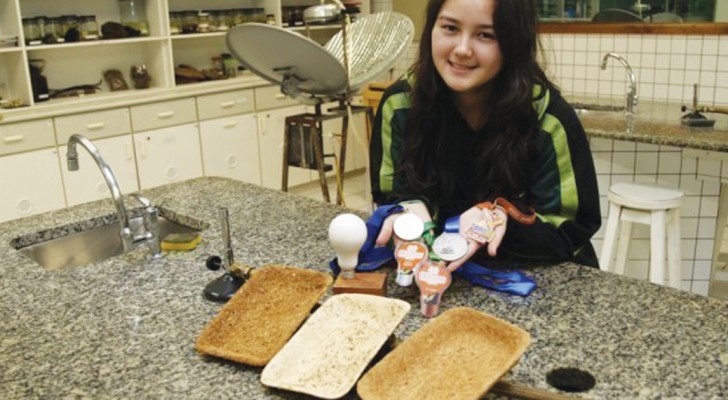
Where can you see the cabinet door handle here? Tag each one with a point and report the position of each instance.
(227, 104)
(263, 125)
(129, 152)
(280, 96)
(140, 146)
(165, 114)
(13, 139)
(94, 126)
(230, 124)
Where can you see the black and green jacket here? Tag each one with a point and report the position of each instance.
(564, 191)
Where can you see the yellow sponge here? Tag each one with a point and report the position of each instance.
(181, 241)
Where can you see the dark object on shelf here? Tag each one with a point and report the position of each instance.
(38, 81)
(140, 75)
(76, 90)
(72, 35)
(113, 30)
(187, 74)
(8, 41)
(132, 32)
(214, 74)
(115, 80)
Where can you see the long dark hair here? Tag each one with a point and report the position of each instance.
(512, 123)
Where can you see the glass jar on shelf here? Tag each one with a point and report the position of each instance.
(175, 22)
(88, 27)
(31, 31)
(70, 28)
(54, 30)
(203, 22)
(189, 21)
(230, 17)
(258, 15)
(247, 15)
(133, 14)
(48, 28)
(218, 20)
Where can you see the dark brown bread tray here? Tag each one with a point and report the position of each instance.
(260, 318)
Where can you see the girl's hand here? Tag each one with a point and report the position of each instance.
(496, 216)
(417, 208)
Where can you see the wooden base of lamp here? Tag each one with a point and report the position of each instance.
(366, 283)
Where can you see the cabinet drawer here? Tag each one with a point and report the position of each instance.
(270, 97)
(26, 136)
(225, 104)
(162, 114)
(93, 125)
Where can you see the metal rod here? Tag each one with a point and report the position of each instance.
(695, 96)
(225, 224)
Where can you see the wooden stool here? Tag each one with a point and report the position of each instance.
(658, 207)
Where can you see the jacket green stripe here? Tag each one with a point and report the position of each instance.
(568, 191)
(391, 144)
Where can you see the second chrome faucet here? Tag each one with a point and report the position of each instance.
(632, 88)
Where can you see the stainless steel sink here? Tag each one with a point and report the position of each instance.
(93, 245)
(585, 108)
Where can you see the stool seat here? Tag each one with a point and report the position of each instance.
(645, 197)
(655, 206)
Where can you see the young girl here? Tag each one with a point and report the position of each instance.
(475, 120)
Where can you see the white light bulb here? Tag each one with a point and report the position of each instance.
(347, 233)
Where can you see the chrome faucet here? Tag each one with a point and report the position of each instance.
(128, 239)
(632, 89)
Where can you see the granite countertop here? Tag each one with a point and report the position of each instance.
(126, 327)
(656, 123)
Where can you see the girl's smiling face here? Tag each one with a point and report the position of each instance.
(465, 50)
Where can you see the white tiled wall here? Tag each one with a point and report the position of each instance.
(666, 67)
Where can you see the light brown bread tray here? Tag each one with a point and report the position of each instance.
(459, 355)
(331, 350)
(260, 318)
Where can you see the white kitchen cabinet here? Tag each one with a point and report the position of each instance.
(31, 184)
(271, 126)
(88, 184)
(167, 155)
(230, 148)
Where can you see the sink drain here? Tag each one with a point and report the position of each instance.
(570, 379)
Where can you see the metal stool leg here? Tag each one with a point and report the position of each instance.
(319, 154)
(284, 180)
(342, 161)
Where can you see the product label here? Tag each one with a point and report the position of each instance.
(409, 255)
(432, 279)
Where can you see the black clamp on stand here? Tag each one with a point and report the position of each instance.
(223, 288)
